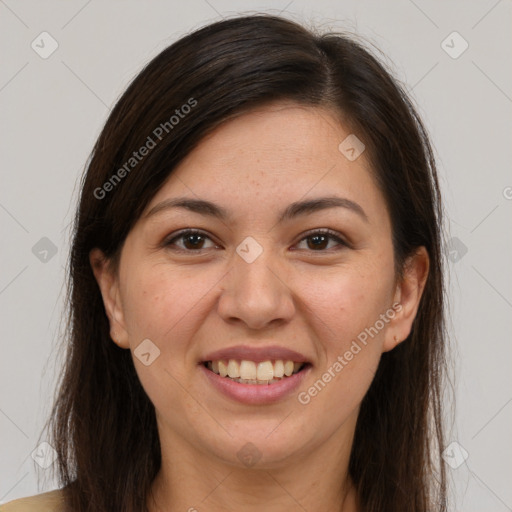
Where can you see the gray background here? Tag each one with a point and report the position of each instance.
(53, 109)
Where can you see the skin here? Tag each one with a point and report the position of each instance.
(313, 300)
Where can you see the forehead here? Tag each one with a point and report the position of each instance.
(273, 154)
(278, 138)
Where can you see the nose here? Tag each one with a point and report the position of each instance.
(256, 293)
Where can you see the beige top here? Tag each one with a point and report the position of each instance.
(52, 501)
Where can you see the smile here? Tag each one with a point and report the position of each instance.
(250, 372)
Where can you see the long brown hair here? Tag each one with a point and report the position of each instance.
(103, 424)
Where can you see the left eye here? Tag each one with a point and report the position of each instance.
(319, 238)
(194, 239)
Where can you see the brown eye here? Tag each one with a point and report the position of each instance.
(193, 241)
(318, 240)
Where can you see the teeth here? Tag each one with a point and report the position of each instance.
(249, 372)
(265, 371)
(234, 369)
(223, 369)
(279, 368)
(259, 382)
(288, 368)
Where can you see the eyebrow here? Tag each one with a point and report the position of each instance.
(294, 210)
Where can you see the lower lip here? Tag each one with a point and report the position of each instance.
(256, 393)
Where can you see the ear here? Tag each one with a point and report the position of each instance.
(109, 287)
(409, 291)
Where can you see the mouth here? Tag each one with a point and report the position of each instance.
(256, 373)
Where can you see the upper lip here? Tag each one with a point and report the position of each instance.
(256, 354)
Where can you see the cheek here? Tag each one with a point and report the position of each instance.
(354, 306)
(165, 305)
(350, 299)
(347, 316)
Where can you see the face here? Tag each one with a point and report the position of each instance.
(258, 283)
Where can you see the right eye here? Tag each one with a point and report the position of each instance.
(192, 240)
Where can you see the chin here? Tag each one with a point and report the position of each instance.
(265, 448)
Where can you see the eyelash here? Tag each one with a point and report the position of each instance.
(333, 235)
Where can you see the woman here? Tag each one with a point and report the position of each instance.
(256, 287)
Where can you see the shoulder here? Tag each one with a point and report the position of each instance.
(52, 501)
